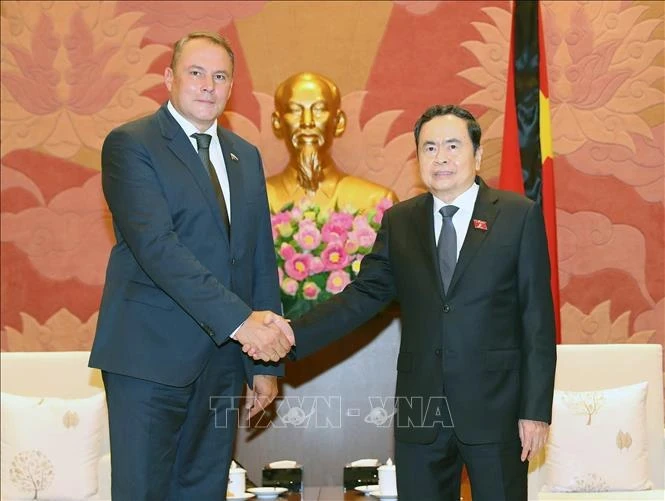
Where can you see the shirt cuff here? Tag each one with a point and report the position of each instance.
(233, 334)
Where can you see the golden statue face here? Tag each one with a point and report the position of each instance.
(306, 113)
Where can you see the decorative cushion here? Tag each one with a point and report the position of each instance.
(598, 441)
(51, 446)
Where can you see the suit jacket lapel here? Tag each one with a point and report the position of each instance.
(236, 182)
(181, 146)
(423, 220)
(484, 210)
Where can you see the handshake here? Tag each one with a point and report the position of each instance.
(266, 336)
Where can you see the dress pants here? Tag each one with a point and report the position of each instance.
(172, 443)
(433, 471)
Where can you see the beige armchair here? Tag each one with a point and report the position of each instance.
(600, 367)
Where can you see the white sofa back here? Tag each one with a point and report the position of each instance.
(605, 366)
(57, 374)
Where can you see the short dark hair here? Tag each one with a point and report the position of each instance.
(439, 110)
(214, 38)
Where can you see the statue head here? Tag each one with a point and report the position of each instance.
(307, 117)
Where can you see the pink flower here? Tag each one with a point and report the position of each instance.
(337, 281)
(307, 224)
(334, 257)
(286, 251)
(280, 274)
(289, 286)
(332, 232)
(311, 291)
(316, 266)
(308, 237)
(360, 222)
(384, 204)
(364, 236)
(342, 219)
(298, 266)
(351, 246)
(276, 220)
(280, 217)
(378, 217)
(296, 213)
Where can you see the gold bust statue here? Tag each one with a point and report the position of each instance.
(308, 117)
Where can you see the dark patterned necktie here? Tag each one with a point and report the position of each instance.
(447, 246)
(203, 145)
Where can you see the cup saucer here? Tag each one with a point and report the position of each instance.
(383, 495)
(366, 489)
(267, 492)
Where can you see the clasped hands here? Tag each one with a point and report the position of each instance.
(266, 336)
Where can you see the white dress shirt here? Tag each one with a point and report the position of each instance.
(466, 202)
(216, 155)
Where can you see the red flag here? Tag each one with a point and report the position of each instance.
(511, 164)
(527, 160)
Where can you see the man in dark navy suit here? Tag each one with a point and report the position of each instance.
(189, 281)
(470, 269)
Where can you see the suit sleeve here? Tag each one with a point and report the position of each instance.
(537, 315)
(369, 293)
(265, 288)
(141, 215)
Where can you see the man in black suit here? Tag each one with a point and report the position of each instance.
(190, 279)
(470, 269)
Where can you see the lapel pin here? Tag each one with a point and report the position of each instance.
(480, 224)
(233, 157)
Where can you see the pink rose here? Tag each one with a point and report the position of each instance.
(342, 219)
(351, 245)
(286, 251)
(307, 224)
(298, 266)
(334, 257)
(289, 286)
(333, 232)
(308, 237)
(337, 281)
(360, 222)
(364, 236)
(316, 266)
(311, 291)
(296, 213)
(280, 217)
(280, 274)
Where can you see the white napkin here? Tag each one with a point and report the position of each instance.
(284, 463)
(365, 462)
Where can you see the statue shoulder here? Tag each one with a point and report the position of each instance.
(361, 194)
(278, 191)
(370, 189)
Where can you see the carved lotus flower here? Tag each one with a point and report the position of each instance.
(71, 74)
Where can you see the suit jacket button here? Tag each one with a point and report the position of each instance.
(437, 352)
(446, 308)
(233, 260)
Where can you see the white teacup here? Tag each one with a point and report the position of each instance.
(387, 478)
(237, 478)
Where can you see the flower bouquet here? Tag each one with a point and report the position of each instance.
(319, 252)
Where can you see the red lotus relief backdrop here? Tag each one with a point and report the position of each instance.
(71, 71)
